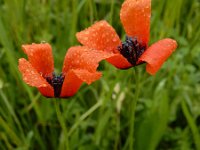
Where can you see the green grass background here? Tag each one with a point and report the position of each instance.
(99, 116)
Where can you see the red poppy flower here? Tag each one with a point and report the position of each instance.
(135, 17)
(79, 66)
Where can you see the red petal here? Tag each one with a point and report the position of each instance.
(157, 53)
(47, 91)
(80, 66)
(40, 56)
(87, 76)
(33, 78)
(82, 57)
(100, 36)
(74, 79)
(135, 17)
(119, 61)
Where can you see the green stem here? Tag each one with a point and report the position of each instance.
(111, 11)
(191, 123)
(91, 11)
(61, 120)
(133, 109)
(84, 116)
(117, 138)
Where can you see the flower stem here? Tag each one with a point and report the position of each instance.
(133, 109)
(84, 116)
(191, 123)
(111, 11)
(61, 120)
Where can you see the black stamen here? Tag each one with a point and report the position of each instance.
(56, 81)
(131, 49)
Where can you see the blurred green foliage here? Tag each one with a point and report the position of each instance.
(98, 116)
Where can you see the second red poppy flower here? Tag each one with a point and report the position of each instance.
(135, 16)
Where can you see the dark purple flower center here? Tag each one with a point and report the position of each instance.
(56, 81)
(131, 49)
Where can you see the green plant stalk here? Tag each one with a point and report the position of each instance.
(118, 137)
(12, 112)
(13, 136)
(192, 124)
(91, 11)
(85, 115)
(62, 122)
(133, 109)
(111, 11)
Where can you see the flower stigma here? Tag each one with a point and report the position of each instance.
(56, 81)
(131, 49)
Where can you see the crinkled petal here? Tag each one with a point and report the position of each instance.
(157, 54)
(82, 57)
(74, 79)
(135, 17)
(119, 61)
(100, 36)
(40, 56)
(87, 76)
(33, 78)
(80, 66)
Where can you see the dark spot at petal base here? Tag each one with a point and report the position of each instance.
(56, 81)
(131, 49)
